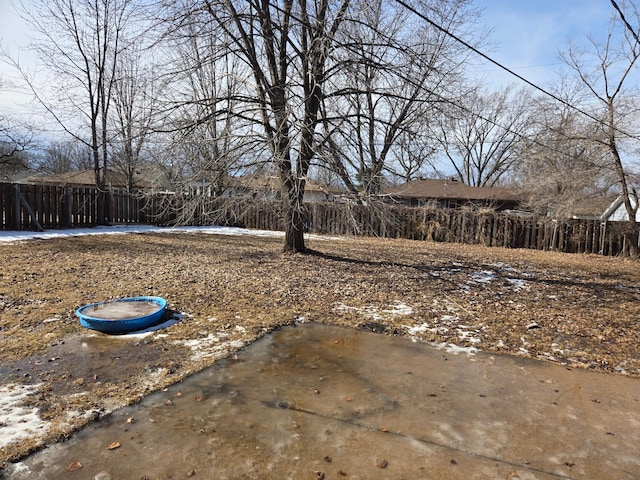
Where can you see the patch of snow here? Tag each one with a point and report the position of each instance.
(622, 367)
(455, 349)
(210, 339)
(465, 335)
(502, 266)
(484, 276)
(152, 377)
(21, 471)
(16, 420)
(84, 414)
(398, 309)
(518, 283)
(416, 329)
(368, 311)
(211, 346)
(16, 236)
(375, 313)
(175, 318)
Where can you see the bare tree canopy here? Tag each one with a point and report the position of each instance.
(135, 111)
(605, 72)
(396, 70)
(293, 85)
(78, 46)
(560, 167)
(483, 132)
(64, 156)
(15, 139)
(284, 47)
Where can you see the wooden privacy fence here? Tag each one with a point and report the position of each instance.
(35, 207)
(489, 228)
(28, 207)
(494, 229)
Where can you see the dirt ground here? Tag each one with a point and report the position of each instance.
(224, 292)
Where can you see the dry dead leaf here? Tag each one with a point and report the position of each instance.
(73, 466)
(588, 306)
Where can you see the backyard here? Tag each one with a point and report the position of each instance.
(225, 291)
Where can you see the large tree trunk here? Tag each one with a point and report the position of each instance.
(293, 193)
(101, 198)
(629, 236)
(294, 231)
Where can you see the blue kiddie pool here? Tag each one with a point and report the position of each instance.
(122, 315)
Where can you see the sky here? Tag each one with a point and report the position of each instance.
(13, 36)
(526, 36)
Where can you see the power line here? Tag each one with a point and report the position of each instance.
(624, 20)
(506, 69)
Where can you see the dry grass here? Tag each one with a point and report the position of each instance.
(582, 311)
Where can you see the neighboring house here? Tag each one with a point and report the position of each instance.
(143, 180)
(262, 188)
(316, 192)
(617, 211)
(453, 194)
(590, 208)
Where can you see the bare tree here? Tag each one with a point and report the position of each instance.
(605, 72)
(285, 45)
(368, 74)
(481, 134)
(416, 155)
(135, 105)
(15, 138)
(560, 167)
(397, 69)
(79, 44)
(64, 156)
(206, 125)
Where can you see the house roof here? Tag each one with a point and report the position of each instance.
(273, 183)
(593, 207)
(313, 186)
(269, 184)
(451, 189)
(618, 212)
(85, 178)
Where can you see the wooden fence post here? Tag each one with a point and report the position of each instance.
(21, 200)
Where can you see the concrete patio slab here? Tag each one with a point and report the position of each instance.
(321, 402)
